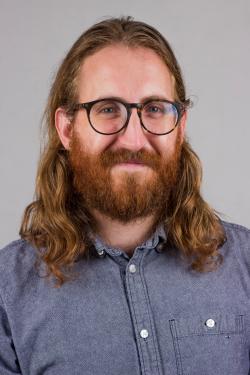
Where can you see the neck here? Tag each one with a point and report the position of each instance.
(125, 236)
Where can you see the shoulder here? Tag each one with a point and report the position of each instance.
(236, 232)
(17, 264)
(16, 251)
(238, 241)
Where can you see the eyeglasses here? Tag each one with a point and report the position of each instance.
(109, 116)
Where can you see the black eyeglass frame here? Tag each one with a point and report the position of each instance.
(180, 108)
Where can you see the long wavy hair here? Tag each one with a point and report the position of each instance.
(56, 223)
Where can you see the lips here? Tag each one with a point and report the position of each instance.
(133, 162)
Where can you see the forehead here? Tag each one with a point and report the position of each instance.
(130, 73)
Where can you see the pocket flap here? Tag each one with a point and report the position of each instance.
(209, 323)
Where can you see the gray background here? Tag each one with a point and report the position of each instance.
(211, 41)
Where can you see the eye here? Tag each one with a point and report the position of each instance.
(153, 108)
(109, 109)
(106, 108)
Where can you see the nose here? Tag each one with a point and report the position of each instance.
(133, 136)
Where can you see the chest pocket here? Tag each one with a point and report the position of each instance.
(210, 344)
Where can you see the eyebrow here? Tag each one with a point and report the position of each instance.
(143, 100)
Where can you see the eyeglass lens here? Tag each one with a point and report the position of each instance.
(109, 116)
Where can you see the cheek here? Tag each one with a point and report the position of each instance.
(92, 141)
(165, 144)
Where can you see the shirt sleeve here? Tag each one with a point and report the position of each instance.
(9, 364)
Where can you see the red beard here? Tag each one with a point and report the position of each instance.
(124, 195)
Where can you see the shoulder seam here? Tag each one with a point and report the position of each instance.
(235, 226)
(13, 243)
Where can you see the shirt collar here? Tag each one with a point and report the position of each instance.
(101, 247)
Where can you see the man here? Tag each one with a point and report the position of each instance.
(122, 267)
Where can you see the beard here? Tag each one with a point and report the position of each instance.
(124, 195)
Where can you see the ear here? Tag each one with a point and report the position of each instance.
(182, 125)
(63, 126)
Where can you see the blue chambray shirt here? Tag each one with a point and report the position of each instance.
(148, 314)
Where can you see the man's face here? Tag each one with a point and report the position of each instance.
(103, 172)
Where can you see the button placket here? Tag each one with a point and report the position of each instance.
(142, 316)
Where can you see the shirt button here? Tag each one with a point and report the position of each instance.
(210, 323)
(132, 268)
(101, 253)
(144, 333)
(159, 247)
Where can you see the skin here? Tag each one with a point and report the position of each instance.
(133, 75)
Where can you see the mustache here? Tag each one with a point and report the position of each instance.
(109, 158)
